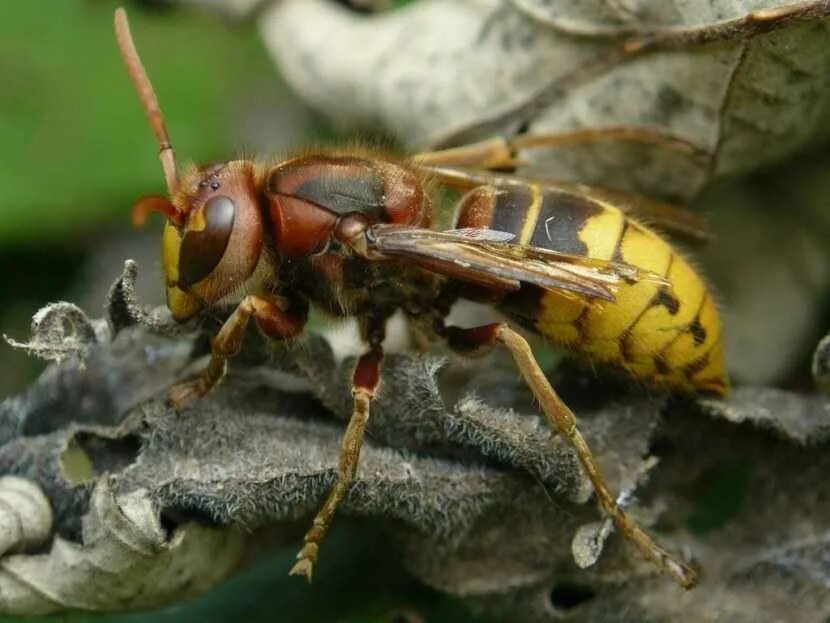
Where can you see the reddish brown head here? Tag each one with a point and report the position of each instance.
(212, 242)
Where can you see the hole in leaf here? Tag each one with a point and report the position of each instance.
(93, 455)
(75, 465)
(568, 595)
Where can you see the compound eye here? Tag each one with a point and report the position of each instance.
(202, 248)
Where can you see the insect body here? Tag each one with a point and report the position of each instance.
(351, 233)
(666, 333)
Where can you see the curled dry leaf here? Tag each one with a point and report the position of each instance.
(125, 560)
(25, 515)
(100, 388)
(440, 73)
(59, 330)
(123, 309)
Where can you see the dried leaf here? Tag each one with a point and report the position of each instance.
(125, 561)
(25, 516)
(123, 309)
(804, 419)
(101, 388)
(484, 504)
(472, 70)
(60, 330)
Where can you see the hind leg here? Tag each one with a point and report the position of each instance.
(562, 420)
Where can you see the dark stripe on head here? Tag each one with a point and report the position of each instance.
(561, 218)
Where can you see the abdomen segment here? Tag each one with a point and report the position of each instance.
(663, 334)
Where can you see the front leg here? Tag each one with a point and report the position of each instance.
(364, 384)
(271, 316)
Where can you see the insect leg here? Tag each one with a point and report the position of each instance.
(562, 419)
(502, 153)
(364, 384)
(494, 153)
(269, 314)
(675, 219)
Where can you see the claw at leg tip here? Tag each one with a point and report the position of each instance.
(303, 567)
(687, 576)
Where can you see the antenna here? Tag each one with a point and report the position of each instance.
(147, 96)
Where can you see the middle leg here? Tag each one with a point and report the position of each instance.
(364, 385)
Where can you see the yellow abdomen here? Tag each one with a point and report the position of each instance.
(666, 335)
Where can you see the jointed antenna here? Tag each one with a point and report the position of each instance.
(147, 96)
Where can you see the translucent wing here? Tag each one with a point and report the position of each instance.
(483, 259)
(482, 234)
(674, 219)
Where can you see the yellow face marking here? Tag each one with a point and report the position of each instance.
(171, 242)
(196, 221)
(531, 216)
(183, 305)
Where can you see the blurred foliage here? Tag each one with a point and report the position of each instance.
(74, 145)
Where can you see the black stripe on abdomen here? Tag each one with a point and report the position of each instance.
(561, 217)
(511, 206)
